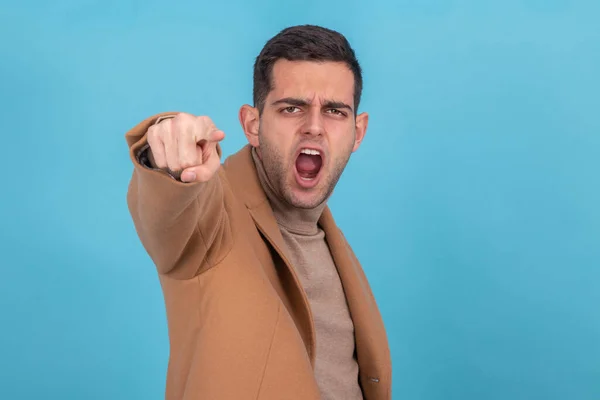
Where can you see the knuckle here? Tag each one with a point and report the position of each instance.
(167, 126)
(186, 160)
(183, 115)
(158, 132)
(205, 122)
(183, 118)
(181, 124)
(167, 123)
(185, 164)
(151, 137)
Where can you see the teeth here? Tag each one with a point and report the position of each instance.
(310, 152)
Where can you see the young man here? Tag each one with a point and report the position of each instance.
(264, 297)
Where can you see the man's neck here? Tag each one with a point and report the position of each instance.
(296, 220)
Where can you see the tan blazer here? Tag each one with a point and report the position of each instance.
(240, 326)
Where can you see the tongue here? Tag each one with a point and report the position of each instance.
(308, 165)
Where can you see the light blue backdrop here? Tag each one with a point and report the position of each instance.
(474, 203)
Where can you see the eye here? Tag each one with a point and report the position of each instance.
(335, 111)
(290, 110)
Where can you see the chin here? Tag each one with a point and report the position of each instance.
(305, 198)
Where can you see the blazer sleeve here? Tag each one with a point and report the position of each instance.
(184, 227)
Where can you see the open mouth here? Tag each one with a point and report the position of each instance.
(308, 164)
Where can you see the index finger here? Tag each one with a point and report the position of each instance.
(216, 135)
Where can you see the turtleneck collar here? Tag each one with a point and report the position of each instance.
(295, 220)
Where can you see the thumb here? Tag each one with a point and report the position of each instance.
(201, 173)
(188, 175)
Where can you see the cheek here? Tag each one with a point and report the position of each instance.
(280, 136)
(342, 139)
(276, 147)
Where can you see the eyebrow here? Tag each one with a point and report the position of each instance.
(298, 102)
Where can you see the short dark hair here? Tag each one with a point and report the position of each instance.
(303, 43)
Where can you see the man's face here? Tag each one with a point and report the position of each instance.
(307, 130)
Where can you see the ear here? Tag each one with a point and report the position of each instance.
(250, 121)
(362, 121)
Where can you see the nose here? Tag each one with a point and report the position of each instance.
(314, 124)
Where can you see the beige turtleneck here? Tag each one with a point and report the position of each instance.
(336, 369)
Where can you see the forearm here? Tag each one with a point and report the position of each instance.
(177, 222)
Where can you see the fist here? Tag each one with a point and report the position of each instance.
(186, 145)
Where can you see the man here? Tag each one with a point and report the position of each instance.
(264, 297)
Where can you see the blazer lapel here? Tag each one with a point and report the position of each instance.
(371, 340)
(242, 174)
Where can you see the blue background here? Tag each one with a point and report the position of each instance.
(474, 203)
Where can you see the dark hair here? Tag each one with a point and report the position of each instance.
(303, 43)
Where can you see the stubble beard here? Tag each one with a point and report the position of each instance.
(277, 172)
